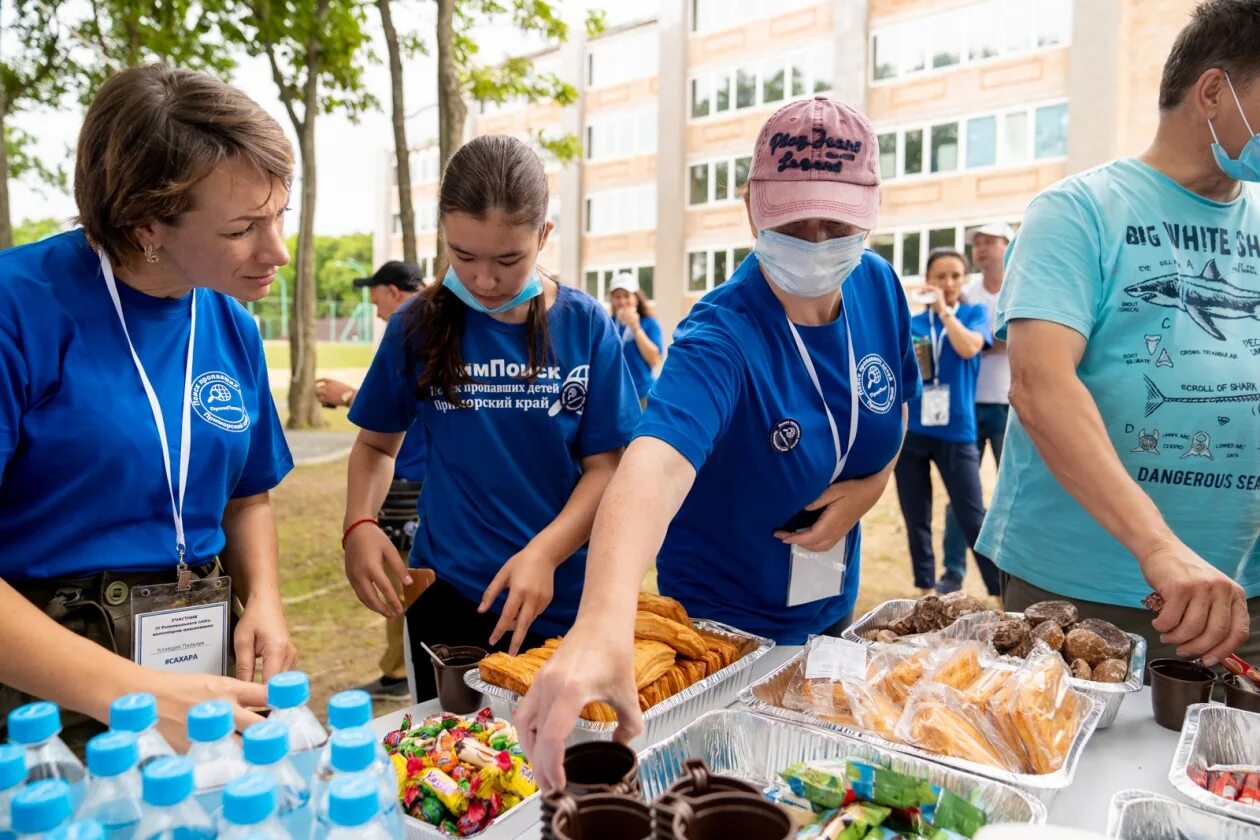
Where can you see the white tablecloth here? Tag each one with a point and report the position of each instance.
(1135, 752)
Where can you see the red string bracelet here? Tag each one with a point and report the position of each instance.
(354, 525)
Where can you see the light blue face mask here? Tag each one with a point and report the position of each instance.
(532, 289)
(1247, 166)
(808, 269)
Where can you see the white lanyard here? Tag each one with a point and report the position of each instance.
(842, 455)
(938, 344)
(185, 440)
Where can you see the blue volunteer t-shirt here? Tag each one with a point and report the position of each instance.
(640, 370)
(958, 373)
(1165, 285)
(501, 470)
(82, 486)
(736, 400)
(409, 464)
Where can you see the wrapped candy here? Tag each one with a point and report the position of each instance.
(854, 821)
(447, 790)
(887, 787)
(432, 811)
(475, 819)
(824, 788)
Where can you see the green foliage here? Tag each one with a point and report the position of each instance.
(33, 230)
(18, 147)
(564, 148)
(338, 261)
(596, 22)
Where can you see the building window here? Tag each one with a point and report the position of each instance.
(764, 83)
(715, 15)
(623, 58)
(625, 134)
(621, 210)
(907, 250)
(977, 32)
(707, 269)
(597, 280)
(942, 238)
(711, 182)
(885, 245)
(424, 167)
(976, 142)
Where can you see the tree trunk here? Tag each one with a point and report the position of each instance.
(304, 410)
(6, 224)
(451, 109)
(406, 210)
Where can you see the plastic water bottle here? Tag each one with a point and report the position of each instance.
(249, 809)
(287, 695)
(353, 755)
(354, 810)
(346, 710)
(78, 830)
(214, 754)
(170, 811)
(267, 750)
(37, 728)
(12, 774)
(113, 795)
(41, 807)
(138, 714)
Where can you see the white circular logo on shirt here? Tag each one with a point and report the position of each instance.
(785, 435)
(217, 399)
(876, 386)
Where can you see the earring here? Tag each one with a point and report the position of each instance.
(150, 253)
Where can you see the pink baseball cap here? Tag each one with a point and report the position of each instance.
(815, 159)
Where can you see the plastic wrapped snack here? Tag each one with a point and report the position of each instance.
(957, 666)
(938, 718)
(982, 690)
(1038, 707)
(895, 670)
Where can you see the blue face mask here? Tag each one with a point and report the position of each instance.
(1247, 166)
(532, 289)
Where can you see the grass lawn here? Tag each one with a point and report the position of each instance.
(328, 354)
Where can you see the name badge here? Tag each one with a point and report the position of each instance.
(816, 575)
(934, 405)
(182, 630)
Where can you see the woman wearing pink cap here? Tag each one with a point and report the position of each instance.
(772, 429)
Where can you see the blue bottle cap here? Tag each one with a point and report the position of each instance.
(349, 708)
(111, 753)
(167, 781)
(353, 749)
(352, 801)
(40, 807)
(12, 765)
(33, 723)
(210, 721)
(266, 742)
(78, 830)
(250, 799)
(287, 690)
(133, 712)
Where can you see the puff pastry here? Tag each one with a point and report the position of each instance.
(680, 637)
(664, 607)
(651, 661)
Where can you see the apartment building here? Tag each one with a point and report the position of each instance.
(978, 104)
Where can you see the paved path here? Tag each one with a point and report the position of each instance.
(318, 447)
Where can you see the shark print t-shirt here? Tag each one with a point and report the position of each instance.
(1165, 285)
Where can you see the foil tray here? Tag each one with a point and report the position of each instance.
(1141, 815)
(668, 716)
(1216, 734)
(754, 747)
(1108, 695)
(766, 696)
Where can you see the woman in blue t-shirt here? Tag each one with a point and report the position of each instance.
(771, 431)
(641, 339)
(950, 336)
(138, 437)
(520, 389)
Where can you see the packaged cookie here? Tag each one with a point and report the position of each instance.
(956, 665)
(895, 669)
(1039, 706)
(937, 718)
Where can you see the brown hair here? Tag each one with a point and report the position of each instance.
(150, 135)
(1221, 34)
(940, 254)
(492, 172)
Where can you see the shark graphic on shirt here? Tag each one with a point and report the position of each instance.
(1205, 297)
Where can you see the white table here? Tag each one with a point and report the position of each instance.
(1134, 752)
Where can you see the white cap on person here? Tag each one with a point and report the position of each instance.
(999, 229)
(626, 282)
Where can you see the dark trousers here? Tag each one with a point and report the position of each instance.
(959, 466)
(441, 616)
(991, 429)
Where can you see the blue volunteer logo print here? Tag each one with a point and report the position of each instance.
(876, 386)
(217, 399)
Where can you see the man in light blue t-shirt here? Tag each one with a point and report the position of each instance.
(1132, 313)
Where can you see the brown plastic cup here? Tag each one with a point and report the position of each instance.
(1239, 695)
(696, 781)
(723, 816)
(1176, 684)
(597, 767)
(454, 695)
(599, 816)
